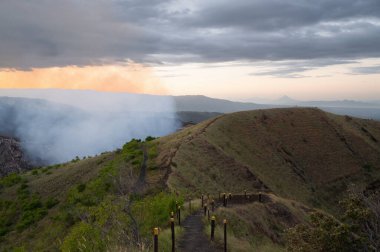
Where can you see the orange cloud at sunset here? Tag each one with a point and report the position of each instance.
(133, 78)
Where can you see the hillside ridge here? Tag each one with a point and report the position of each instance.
(310, 150)
(304, 159)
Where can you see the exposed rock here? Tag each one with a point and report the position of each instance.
(12, 158)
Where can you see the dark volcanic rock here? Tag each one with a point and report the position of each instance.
(11, 156)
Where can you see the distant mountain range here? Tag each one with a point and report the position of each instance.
(288, 101)
(202, 103)
(193, 103)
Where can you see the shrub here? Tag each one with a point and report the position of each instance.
(149, 138)
(30, 217)
(22, 191)
(23, 186)
(8, 216)
(358, 229)
(19, 249)
(324, 234)
(10, 180)
(75, 160)
(51, 202)
(81, 187)
(83, 237)
(136, 162)
(93, 192)
(68, 218)
(4, 231)
(152, 151)
(32, 204)
(154, 210)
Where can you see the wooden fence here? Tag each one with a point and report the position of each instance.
(210, 203)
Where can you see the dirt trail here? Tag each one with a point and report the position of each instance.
(172, 155)
(194, 239)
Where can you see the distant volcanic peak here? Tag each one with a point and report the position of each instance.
(285, 100)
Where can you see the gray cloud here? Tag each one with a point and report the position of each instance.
(293, 69)
(284, 72)
(366, 70)
(50, 33)
(279, 14)
(45, 33)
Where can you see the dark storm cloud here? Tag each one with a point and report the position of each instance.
(279, 14)
(45, 33)
(56, 33)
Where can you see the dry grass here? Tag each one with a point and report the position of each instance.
(302, 154)
(298, 153)
(258, 226)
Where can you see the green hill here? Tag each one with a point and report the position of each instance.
(303, 159)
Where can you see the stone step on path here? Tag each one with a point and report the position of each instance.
(194, 239)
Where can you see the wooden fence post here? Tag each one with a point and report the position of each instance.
(245, 193)
(202, 199)
(230, 196)
(179, 215)
(155, 239)
(208, 214)
(205, 209)
(225, 235)
(224, 200)
(173, 234)
(260, 197)
(212, 227)
(176, 209)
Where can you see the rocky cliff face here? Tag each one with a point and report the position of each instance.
(12, 158)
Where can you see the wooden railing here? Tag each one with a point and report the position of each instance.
(209, 203)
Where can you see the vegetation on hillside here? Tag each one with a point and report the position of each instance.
(103, 212)
(358, 229)
(113, 200)
(258, 226)
(299, 153)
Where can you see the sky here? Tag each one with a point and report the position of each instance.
(239, 50)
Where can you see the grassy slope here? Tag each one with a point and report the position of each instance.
(93, 200)
(258, 226)
(51, 183)
(303, 154)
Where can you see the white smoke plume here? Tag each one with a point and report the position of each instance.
(62, 124)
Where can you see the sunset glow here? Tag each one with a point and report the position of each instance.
(238, 50)
(134, 78)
